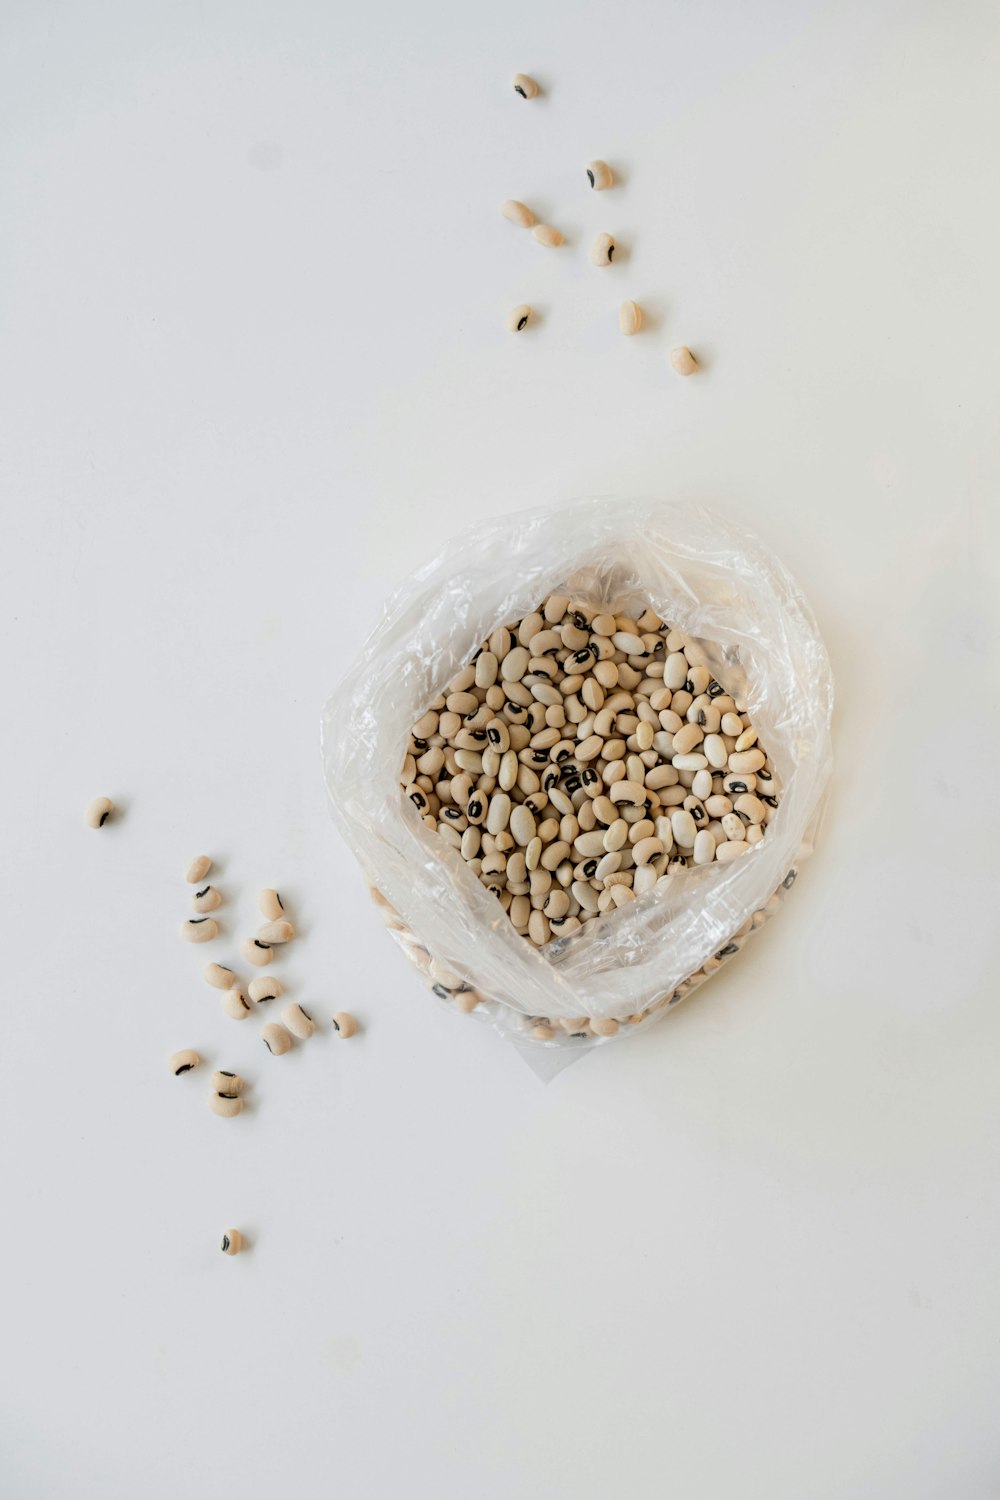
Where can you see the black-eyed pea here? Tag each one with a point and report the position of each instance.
(608, 1027)
(683, 361)
(257, 953)
(235, 1003)
(526, 87)
(599, 175)
(97, 812)
(232, 1242)
(227, 1084)
(276, 1038)
(198, 869)
(183, 1062)
(271, 933)
(269, 903)
(298, 1022)
(199, 929)
(264, 988)
(602, 253)
(225, 1105)
(207, 899)
(219, 977)
(518, 318)
(344, 1024)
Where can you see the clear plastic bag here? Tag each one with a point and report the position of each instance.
(718, 585)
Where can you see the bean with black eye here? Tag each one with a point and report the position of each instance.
(232, 1242)
(344, 1024)
(219, 977)
(276, 1039)
(235, 1004)
(298, 1022)
(599, 175)
(98, 812)
(258, 954)
(183, 1062)
(199, 929)
(525, 86)
(264, 988)
(602, 252)
(207, 899)
(227, 1084)
(517, 318)
(270, 905)
(226, 1105)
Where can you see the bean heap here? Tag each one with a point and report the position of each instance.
(581, 757)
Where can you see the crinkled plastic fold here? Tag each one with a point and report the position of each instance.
(712, 580)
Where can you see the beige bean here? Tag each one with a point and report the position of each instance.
(275, 1038)
(264, 988)
(225, 1105)
(298, 1021)
(219, 977)
(629, 317)
(256, 953)
(525, 86)
(275, 932)
(608, 1027)
(546, 235)
(197, 869)
(207, 899)
(183, 1062)
(199, 929)
(731, 850)
(269, 903)
(599, 175)
(228, 1084)
(683, 361)
(344, 1024)
(518, 318)
(97, 812)
(628, 791)
(747, 760)
(647, 849)
(602, 251)
(518, 213)
(235, 1003)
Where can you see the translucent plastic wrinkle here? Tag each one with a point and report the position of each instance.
(710, 579)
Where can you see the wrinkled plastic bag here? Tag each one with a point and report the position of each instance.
(714, 582)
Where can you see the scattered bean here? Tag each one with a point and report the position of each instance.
(270, 905)
(275, 1038)
(219, 977)
(232, 1242)
(344, 1023)
(199, 929)
(275, 932)
(183, 1062)
(602, 252)
(256, 953)
(226, 1105)
(198, 869)
(298, 1022)
(683, 361)
(227, 1084)
(98, 812)
(207, 899)
(517, 318)
(599, 174)
(235, 1003)
(525, 86)
(517, 213)
(546, 235)
(630, 317)
(264, 988)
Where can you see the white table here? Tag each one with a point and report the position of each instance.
(253, 290)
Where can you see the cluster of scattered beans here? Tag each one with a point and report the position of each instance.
(226, 1091)
(602, 251)
(581, 757)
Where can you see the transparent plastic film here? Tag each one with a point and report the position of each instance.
(751, 627)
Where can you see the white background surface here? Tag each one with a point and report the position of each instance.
(253, 283)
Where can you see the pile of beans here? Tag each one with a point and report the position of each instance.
(580, 758)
